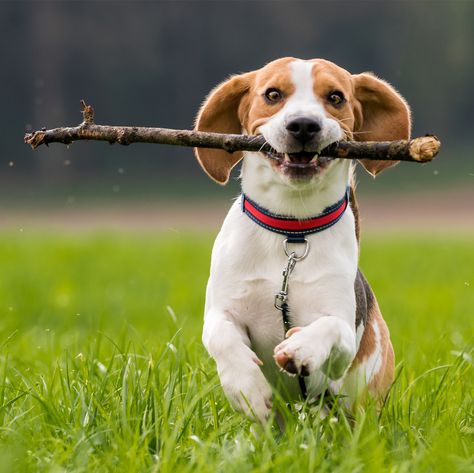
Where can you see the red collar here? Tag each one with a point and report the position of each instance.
(295, 229)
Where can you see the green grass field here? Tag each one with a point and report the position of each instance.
(102, 368)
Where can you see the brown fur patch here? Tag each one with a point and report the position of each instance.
(219, 114)
(383, 378)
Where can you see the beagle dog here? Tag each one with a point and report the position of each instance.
(319, 321)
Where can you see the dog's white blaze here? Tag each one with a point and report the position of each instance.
(374, 362)
(303, 99)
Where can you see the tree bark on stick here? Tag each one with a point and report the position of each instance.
(422, 149)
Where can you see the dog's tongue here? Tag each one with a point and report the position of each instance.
(303, 157)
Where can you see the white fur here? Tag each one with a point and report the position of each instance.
(359, 332)
(374, 362)
(241, 326)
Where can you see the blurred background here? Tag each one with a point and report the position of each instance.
(104, 250)
(152, 63)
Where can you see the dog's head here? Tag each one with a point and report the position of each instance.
(300, 107)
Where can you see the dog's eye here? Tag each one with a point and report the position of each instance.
(273, 95)
(336, 98)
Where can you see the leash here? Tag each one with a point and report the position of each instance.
(281, 299)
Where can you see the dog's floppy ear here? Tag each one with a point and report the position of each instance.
(381, 115)
(222, 112)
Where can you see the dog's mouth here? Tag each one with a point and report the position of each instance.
(303, 160)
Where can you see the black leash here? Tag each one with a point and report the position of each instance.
(287, 325)
(281, 303)
(281, 299)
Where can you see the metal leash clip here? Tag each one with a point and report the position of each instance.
(282, 297)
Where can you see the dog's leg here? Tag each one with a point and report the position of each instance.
(328, 344)
(238, 366)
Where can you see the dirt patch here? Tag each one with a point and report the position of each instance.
(436, 212)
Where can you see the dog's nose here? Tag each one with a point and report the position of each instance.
(303, 129)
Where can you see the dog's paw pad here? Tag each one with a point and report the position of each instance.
(281, 359)
(289, 365)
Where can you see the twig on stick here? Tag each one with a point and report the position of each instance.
(420, 150)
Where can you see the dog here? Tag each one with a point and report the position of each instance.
(319, 322)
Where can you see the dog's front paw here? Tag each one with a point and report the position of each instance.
(300, 353)
(248, 391)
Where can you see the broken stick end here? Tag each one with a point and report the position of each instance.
(425, 148)
(35, 139)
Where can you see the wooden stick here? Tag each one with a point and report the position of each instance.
(420, 150)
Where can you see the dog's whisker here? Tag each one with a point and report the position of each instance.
(263, 146)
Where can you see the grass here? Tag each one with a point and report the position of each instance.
(102, 368)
